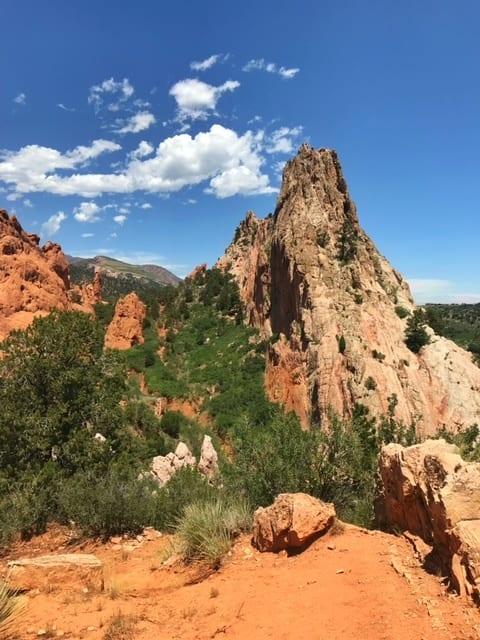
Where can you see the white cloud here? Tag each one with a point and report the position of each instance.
(30, 167)
(203, 65)
(60, 105)
(146, 205)
(53, 224)
(143, 149)
(28, 203)
(437, 290)
(120, 219)
(124, 210)
(21, 99)
(120, 92)
(282, 140)
(260, 64)
(138, 122)
(87, 212)
(87, 235)
(232, 162)
(196, 99)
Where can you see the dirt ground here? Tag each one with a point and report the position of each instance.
(354, 585)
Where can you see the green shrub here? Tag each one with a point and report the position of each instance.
(378, 355)
(115, 504)
(206, 530)
(401, 311)
(342, 345)
(172, 422)
(416, 335)
(370, 384)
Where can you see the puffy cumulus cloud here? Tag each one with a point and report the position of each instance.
(53, 224)
(146, 205)
(116, 92)
(21, 99)
(87, 212)
(260, 64)
(239, 180)
(282, 140)
(138, 122)
(232, 162)
(29, 168)
(143, 149)
(120, 219)
(203, 65)
(196, 99)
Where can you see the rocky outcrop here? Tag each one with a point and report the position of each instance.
(33, 280)
(314, 282)
(431, 492)
(163, 468)
(292, 522)
(92, 293)
(126, 328)
(198, 272)
(208, 464)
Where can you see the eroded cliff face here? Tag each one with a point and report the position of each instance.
(33, 280)
(313, 280)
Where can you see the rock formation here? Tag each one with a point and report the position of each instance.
(431, 492)
(33, 280)
(313, 281)
(208, 464)
(292, 522)
(163, 468)
(126, 327)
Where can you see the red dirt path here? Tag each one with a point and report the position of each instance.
(353, 586)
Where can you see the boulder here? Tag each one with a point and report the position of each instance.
(126, 328)
(208, 464)
(292, 522)
(430, 491)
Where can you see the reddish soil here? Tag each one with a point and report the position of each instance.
(355, 585)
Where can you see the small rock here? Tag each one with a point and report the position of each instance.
(340, 571)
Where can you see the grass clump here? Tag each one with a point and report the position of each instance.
(207, 529)
(120, 627)
(10, 608)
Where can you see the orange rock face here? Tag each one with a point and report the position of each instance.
(33, 280)
(126, 328)
(312, 279)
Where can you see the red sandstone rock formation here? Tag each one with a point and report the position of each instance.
(198, 271)
(33, 280)
(126, 328)
(431, 492)
(312, 279)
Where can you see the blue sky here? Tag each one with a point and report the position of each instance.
(145, 130)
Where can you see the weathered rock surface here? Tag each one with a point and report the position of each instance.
(292, 522)
(126, 328)
(163, 468)
(33, 280)
(313, 281)
(46, 571)
(431, 492)
(208, 464)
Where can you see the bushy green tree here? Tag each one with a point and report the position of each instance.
(57, 389)
(416, 335)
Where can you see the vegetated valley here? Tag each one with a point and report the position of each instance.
(81, 425)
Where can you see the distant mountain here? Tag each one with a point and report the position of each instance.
(118, 269)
